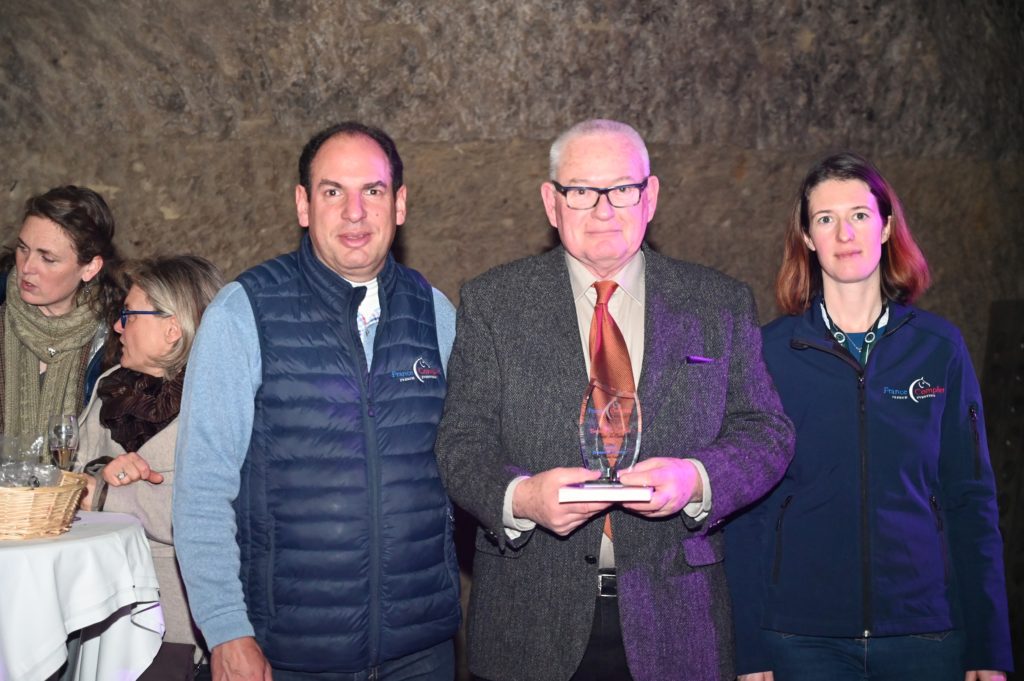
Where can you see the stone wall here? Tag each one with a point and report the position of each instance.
(189, 117)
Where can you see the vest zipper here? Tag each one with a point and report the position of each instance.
(355, 347)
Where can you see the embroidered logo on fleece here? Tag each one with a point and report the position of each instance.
(421, 371)
(919, 389)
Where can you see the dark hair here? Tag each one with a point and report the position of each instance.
(903, 267)
(382, 139)
(86, 219)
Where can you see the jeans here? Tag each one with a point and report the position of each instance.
(432, 664)
(919, 657)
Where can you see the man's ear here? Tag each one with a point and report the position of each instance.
(400, 205)
(651, 196)
(302, 205)
(547, 195)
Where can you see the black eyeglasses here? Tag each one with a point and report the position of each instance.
(125, 312)
(585, 198)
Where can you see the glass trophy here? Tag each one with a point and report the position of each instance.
(610, 428)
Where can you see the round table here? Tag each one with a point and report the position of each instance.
(96, 579)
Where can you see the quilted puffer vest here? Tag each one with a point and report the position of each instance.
(344, 527)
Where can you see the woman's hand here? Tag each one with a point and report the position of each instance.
(90, 492)
(128, 468)
(759, 676)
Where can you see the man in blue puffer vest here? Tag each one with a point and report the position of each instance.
(312, 528)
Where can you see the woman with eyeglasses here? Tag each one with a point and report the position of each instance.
(62, 295)
(878, 556)
(130, 427)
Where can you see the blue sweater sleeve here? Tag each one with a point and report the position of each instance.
(223, 375)
(444, 319)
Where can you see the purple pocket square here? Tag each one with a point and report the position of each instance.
(697, 359)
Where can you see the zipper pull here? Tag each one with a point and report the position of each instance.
(782, 511)
(938, 514)
(972, 412)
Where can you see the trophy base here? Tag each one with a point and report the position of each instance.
(603, 491)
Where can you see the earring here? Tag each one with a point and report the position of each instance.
(87, 287)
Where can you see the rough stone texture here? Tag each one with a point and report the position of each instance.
(189, 116)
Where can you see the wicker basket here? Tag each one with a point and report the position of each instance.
(27, 513)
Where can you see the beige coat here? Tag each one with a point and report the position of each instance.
(149, 503)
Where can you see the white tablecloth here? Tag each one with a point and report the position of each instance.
(98, 578)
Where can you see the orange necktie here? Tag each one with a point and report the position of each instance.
(609, 364)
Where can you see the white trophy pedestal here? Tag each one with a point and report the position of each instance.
(603, 491)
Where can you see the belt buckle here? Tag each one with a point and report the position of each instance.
(606, 585)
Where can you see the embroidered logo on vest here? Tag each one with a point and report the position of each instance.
(421, 371)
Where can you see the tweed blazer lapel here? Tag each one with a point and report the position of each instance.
(555, 322)
(674, 334)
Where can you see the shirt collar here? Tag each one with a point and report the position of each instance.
(630, 278)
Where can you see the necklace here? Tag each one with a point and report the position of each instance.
(862, 351)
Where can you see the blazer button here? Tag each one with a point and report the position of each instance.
(590, 559)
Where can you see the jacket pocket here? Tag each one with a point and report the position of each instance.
(487, 542)
(271, 565)
(450, 558)
(777, 564)
(939, 527)
(703, 550)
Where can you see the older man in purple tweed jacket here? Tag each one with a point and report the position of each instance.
(553, 596)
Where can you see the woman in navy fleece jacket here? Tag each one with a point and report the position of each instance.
(878, 556)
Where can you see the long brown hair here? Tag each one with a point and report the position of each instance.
(904, 271)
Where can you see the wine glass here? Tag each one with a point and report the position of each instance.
(9, 449)
(10, 460)
(62, 439)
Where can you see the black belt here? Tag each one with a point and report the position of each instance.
(606, 583)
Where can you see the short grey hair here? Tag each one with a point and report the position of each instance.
(596, 126)
(180, 285)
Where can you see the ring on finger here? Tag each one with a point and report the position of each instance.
(121, 476)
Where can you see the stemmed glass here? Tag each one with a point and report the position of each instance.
(10, 461)
(62, 439)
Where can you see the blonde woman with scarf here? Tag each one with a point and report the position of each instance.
(62, 297)
(130, 427)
